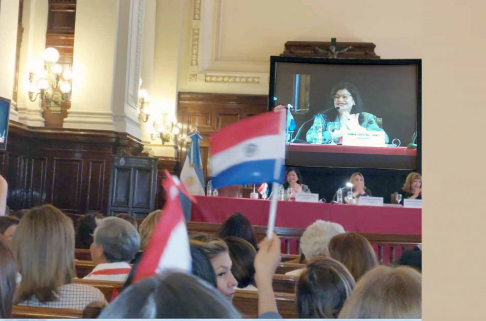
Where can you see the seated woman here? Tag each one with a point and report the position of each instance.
(218, 254)
(413, 186)
(8, 225)
(8, 275)
(201, 266)
(293, 183)
(85, 227)
(44, 247)
(355, 252)
(242, 256)
(347, 115)
(359, 189)
(322, 289)
(386, 293)
(238, 225)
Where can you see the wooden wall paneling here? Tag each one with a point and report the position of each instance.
(15, 175)
(61, 16)
(67, 183)
(121, 187)
(142, 182)
(95, 190)
(36, 181)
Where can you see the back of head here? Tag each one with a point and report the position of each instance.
(172, 295)
(322, 289)
(412, 258)
(119, 238)
(238, 225)
(85, 227)
(6, 222)
(242, 255)
(147, 227)
(130, 219)
(316, 237)
(8, 274)
(44, 247)
(386, 293)
(201, 266)
(355, 252)
(20, 213)
(214, 247)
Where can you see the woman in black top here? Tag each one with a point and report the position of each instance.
(413, 186)
(359, 188)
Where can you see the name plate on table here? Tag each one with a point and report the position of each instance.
(365, 139)
(370, 201)
(412, 203)
(307, 197)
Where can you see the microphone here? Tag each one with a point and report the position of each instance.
(313, 117)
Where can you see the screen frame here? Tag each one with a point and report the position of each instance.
(274, 60)
(3, 146)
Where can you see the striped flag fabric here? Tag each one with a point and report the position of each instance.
(169, 243)
(251, 151)
(192, 175)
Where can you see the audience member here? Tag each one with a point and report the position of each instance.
(201, 266)
(315, 240)
(8, 274)
(204, 237)
(218, 254)
(242, 255)
(386, 293)
(3, 195)
(115, 244)
(239, 225)
(355, 252)
(20, 213)
(84, 230)
(322, 289)
(130, 219)
(412, 258)
(8, 225)
(44, 247)
(172, 295)
(147, 227)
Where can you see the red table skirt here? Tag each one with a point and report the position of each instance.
(354, 218)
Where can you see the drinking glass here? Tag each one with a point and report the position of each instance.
(331, 126)
(399, 198)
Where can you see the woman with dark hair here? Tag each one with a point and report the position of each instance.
(347, 115)
(322, 289)
(84, 230)
(293, 181)
(201, 266)
(242, 255)
(238, 225)
(355, 252)
(172, 295)
(8, 274)
(8, 225)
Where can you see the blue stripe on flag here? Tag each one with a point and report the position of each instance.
(255, 172)
(195, 157)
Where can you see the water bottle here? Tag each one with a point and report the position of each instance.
(318, 129)
(281, 193)
(209, 189)
(339, 196)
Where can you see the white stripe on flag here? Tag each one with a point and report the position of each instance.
(177, 254)
(255, 149)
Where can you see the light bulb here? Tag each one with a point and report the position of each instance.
(43, 84)
(56, 69)
(51, 55)
(142, 94)
(348, 184)
(65, 87)
(176, 130)
(67, 74)
(147, 98)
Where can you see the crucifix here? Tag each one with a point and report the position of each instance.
(332, 52)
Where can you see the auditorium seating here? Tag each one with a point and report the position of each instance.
(82, 254)
(83, 268)
(106, 287)
(247, 303)
(287, 267)
(25, 312)
(284, 283)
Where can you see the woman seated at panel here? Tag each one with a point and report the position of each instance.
(359, 189)
(44, 247)
(413, 186)
(347, 115)
(293, 183)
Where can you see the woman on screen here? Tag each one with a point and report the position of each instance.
(413, 186)
(347, 115)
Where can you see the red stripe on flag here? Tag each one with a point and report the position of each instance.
(171, 217)
(251, 127)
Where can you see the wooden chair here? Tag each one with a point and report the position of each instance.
(82, 254)
(247, 303)
(290, 257)
(287, 267)
(26, 312)
(83, 268)
(106, 287)
(284, 283)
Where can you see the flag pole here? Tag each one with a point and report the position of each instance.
(273, 210)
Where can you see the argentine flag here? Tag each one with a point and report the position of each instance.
(191, 175)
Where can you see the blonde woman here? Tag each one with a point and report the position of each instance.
(359, 188)
(147, 227)
(413, 186)
(44, 247)
(386, 293)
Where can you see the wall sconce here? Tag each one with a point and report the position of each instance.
(166, 131)
(49, 86)
(143, 102)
